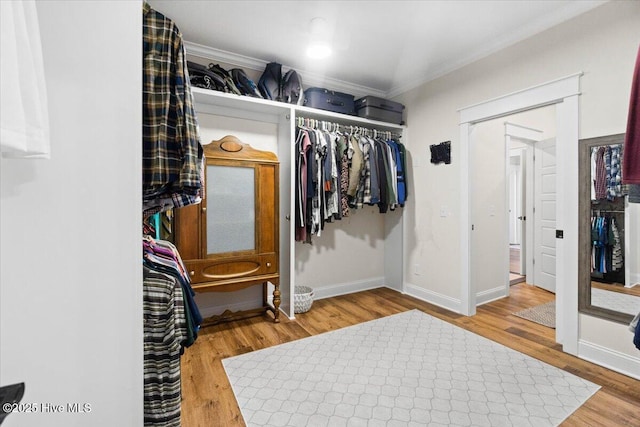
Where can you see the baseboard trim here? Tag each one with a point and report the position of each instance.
(337, 289)
(434, 298)
(611, 359)
(490, 295)
(318, 293)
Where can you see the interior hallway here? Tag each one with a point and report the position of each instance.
(514, 265)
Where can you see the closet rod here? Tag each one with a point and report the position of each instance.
(606, 145)
(607, 211)
(334, 126)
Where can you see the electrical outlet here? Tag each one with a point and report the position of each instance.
(416, 270)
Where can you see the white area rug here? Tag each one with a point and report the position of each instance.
(617, 301)
(409, 369)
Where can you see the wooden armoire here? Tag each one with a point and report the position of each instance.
(231, 240)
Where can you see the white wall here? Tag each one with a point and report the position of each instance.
(489, 202)
(70, 264)
(348, 255)
(601, 43)
(489, 268)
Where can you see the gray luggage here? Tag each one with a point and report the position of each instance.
(324, 99)
(374, 108)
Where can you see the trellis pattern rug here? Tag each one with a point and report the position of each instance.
(544, 314)
(408, 369)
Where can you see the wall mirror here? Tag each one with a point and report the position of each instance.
(609, 253)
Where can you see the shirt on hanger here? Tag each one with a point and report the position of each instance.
(172, 156)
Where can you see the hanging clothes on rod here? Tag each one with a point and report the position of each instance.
(172, 156)
(172, 177)
(171, 323)
(606, 172)
(340, 168)
(606, 247)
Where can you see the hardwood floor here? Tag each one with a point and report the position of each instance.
(616, 287)
(209, 401)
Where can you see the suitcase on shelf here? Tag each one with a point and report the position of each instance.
(324, 99)
(374, 108)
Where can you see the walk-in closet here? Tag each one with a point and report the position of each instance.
(113, 312)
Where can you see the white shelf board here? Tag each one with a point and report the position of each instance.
(232, 105)
(315, 113)
(229, 104)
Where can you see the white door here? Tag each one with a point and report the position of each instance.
(544, 256)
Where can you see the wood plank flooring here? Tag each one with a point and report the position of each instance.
(209, 401)
(617, 287)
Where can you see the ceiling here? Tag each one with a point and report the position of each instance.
(379, 47)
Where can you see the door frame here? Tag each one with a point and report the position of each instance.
(530, 136)
(563, 92)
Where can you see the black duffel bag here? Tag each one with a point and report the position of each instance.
(201, 76)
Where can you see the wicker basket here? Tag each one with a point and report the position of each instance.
(302, 299)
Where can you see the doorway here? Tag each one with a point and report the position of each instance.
(564, 94)
(519, 141)
(517, 218)
(508, 232)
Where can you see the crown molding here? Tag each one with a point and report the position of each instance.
(234, 59)
(570, 11)
(309, 78)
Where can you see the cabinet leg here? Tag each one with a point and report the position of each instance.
(276, 303)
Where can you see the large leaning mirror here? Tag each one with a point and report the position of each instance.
(609, 239)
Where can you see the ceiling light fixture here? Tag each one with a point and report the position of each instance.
(318, 50)
(319, 46)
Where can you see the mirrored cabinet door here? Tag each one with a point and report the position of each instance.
(230, 209)
(231, 238)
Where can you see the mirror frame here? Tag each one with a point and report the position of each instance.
(584, 231)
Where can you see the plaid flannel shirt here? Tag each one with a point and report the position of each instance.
(171, 152)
